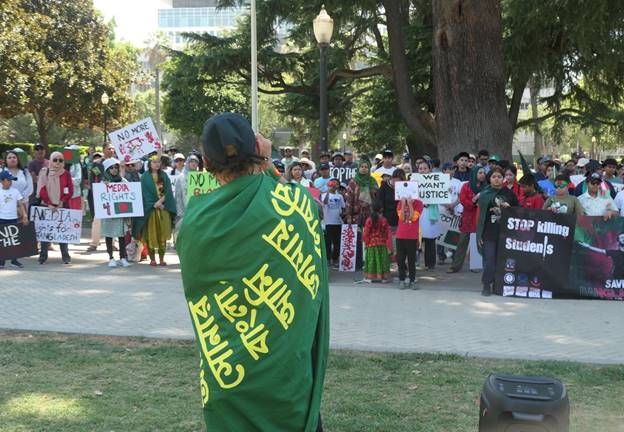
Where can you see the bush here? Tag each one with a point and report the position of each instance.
(30, 147)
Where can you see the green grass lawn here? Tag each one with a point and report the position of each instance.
(52, 382)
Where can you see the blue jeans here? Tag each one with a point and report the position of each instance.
(489, 250)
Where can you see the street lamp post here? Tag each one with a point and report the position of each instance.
(323, 29)
(104, 99)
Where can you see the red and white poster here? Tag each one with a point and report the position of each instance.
(348, 245)
(136, 140)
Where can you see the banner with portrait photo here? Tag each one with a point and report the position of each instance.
(597, 267)
(534, 253)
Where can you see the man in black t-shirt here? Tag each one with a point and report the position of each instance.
(616, 255)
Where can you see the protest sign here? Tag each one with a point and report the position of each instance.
(597, 268)
(17, 241)
(348, 245)
(117, 200)
(405, 190)
(534, 252)
(60, 226)
(136, 140)
(433, 188)
(449, 234)
(200, 183)
(343, 174)
(476, 261)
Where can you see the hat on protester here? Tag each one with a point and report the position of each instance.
(228, 137)
(324, 165)
(38, 146)
(6, 175)
(348, 153)
(97, 154)
(192, 157)
(609, 161)
(582, 162)
(494, 158)
(595, 177)
(387, 152)
(305, 151)
(378, 156)
(179, 156)
(337, 154)
(325, 153)
(109, 163)
(307, 162)
(448, 165)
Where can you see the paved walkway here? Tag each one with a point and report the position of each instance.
(447, 315)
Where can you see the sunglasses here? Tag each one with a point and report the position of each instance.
(114, 167)
(58, 160)
(561, 186)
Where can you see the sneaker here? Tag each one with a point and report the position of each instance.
(124, 262)
(403, 284)
(487, 291)
(112, 263)
(413, 285)
(452, 270)
(42, 259)
(66, 261)
(16, 263)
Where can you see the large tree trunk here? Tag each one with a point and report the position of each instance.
(469, 78)
(42, 128)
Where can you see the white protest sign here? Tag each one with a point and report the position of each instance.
(433, 188)
(61, 226)
(348, 245)
(117, 200)
(342, 174)
(136, 140)
(405, 190)
(449, 232)
(476, 261)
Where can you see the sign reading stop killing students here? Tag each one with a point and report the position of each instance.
(117, 200)
(136, 140)
(433, 188)
(200, 183)
(17, 241)
(60, 226)
(348, 246)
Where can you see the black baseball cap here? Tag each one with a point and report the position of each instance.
(228, 137)
(337, 155)
(609, 161)
(39, 147)
(323, 166)
(595, 177)
(387, 152)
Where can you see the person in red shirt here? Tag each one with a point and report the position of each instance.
(530, 199)
(512, 183)
(468, 197)
(55, 188)
(407, 235)
(375, 235)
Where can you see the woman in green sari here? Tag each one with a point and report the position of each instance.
(159, 208)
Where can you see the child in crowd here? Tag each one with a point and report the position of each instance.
(407, 234)
(115, 227)
(333, 205)
(11, 205)
(377, 264)
(530, 199)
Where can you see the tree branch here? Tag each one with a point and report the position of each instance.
(382, 69)
(378, 38)
(516, 99)
(564, 111)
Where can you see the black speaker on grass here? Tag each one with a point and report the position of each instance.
(523, 404)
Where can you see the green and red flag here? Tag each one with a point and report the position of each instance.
(255, 278)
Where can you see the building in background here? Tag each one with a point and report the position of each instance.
(195, 16)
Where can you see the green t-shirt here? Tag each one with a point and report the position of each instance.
(255, 279)
(567, 204)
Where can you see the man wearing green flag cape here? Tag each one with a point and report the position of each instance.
(255, 278)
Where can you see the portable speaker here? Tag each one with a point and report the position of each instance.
(523, 404)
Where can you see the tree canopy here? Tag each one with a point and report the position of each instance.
(58, 58)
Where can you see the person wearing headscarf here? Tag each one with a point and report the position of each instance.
(361, 193)
(23, 182)
(492, 200)
(55, 188)
(115, 227)
(468, 198)
(159, 210)
(181, 189)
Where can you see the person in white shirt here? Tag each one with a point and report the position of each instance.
(294, 174)
(386, 167)
(11, 205)
(596, 202)
(289, 159)
(333, 205)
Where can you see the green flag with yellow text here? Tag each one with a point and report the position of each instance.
(255, 278)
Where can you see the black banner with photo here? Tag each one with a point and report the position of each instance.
(534, 253)
(597, 269)
(17, 241)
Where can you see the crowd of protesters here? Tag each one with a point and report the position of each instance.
(389, 231)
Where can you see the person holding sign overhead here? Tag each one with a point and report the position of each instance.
(429, 224)
(159, 207)
(55, 188)
(114, 227)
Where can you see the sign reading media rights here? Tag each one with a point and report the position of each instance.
(60, 226)
(117, 200)
(534, 252)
